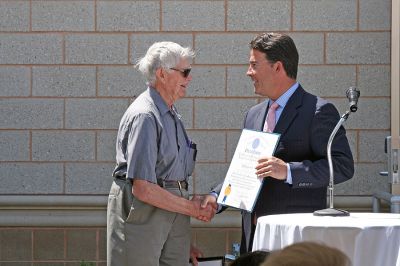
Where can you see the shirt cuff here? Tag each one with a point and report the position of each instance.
(215, 194)
(289, 175)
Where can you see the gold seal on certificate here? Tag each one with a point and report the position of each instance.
(241, 185)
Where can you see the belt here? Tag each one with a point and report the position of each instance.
(121, 177)
(173, 184)
(165, 183)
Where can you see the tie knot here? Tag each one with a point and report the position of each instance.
(274, 106)
(270, 122)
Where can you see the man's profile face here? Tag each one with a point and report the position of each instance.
(262, 73)
(175, 82)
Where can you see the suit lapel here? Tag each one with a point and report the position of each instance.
(259, 120)
(290, 112)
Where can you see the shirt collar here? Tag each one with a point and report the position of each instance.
(284, 98)
(158, 100)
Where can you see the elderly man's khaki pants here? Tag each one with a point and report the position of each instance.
(143, 235)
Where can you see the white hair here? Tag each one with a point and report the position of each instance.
(162, 55)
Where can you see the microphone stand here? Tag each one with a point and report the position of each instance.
(331, 211)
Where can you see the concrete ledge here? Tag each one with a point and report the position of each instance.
(71, 211)
(42, 201)
(52, 218)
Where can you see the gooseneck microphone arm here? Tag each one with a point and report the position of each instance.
(329, 153)
(352, 94)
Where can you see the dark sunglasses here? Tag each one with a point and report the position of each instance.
(185, 72)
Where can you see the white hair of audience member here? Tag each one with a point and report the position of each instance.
(162, 55)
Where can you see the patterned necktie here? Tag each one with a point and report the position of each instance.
(269, 125)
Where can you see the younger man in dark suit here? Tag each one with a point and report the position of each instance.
(297, 176)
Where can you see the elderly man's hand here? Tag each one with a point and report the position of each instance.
(194, 254)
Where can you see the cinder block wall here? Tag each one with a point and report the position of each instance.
(66, 78)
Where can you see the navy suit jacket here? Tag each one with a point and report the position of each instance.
(305, 125)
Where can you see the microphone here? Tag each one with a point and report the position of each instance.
(352, 94)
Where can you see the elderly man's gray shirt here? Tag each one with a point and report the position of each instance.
(152, 142)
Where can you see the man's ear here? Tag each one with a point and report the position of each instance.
(160, 74)
(279, 69)
(278, 66)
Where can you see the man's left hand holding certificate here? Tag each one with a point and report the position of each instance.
(241, 185)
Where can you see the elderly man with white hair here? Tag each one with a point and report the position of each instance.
(148, 214)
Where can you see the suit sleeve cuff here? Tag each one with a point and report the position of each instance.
(215, 194)
(289, 175)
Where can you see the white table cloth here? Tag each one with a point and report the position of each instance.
(366, 238)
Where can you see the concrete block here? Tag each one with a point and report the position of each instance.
(94, 113)
(372, 146)
(63, 146)
(325, 15)
(208, 175)
(327, 81)
(258, 15)
(47, 264)
(212, 241)
(128, 16)
(106, 145)
(227, 48)
(64, 81)
(120, 81)
(238, 84)
(366, 181)
(210, 145)
(14, 145)
(96, 49)
(102, 245)
(81, 244)
(374, 80)
(232, 141)
(375, 15)
(353, 142)
(14, 81)
(31, 113)
(14, 16)
(40, 48)
(190, 180)
(48, 244)
(193, 16)
(31, 178)
(88, 178)
(358, 48)
(185, 109)
(221, 113)
(140, 42)
(234, 236)
(345, 188)
(16, 245)
(372, 113)
(310, 47)
(63, 16)
(207, 82)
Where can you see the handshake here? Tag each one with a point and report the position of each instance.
(204, 206)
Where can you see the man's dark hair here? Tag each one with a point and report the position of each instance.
(255, 258)
(278, 47)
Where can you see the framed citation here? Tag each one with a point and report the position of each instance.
(241, 185)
